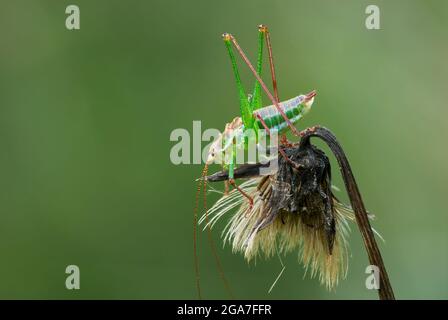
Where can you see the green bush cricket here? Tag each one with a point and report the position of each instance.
(277, 118)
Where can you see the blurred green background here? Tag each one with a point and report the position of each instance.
(86, 116)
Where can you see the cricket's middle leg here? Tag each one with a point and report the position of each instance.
(233, 183)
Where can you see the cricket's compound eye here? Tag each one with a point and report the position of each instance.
(211, 157)
(226, 36)
(262, 28)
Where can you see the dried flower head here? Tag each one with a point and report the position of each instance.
(293, 210)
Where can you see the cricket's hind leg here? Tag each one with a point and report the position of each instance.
(255, 100)
(245, 106)
(263, 36)
(264, 29)
(229, 39)
(243, 193)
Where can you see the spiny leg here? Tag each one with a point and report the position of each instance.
(271, 60)
(263, 35)
(248, 197)
(232, 180)
(229, 38)
(264, 31)
(256, 102)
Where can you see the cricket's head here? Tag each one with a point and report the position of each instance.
(215, 151)
(309, 99)
(227, 37)
(221, 149)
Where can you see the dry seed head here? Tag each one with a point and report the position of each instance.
(286, 233)
(292, 211)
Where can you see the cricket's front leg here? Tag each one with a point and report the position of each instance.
(226, 184)
(233, 183)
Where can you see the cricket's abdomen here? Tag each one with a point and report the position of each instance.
(293, 108)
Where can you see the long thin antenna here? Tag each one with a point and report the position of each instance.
(195, 233)
(210, 238)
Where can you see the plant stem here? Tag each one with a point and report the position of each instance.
(385, 291)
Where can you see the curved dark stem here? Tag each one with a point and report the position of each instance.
(385, 291)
